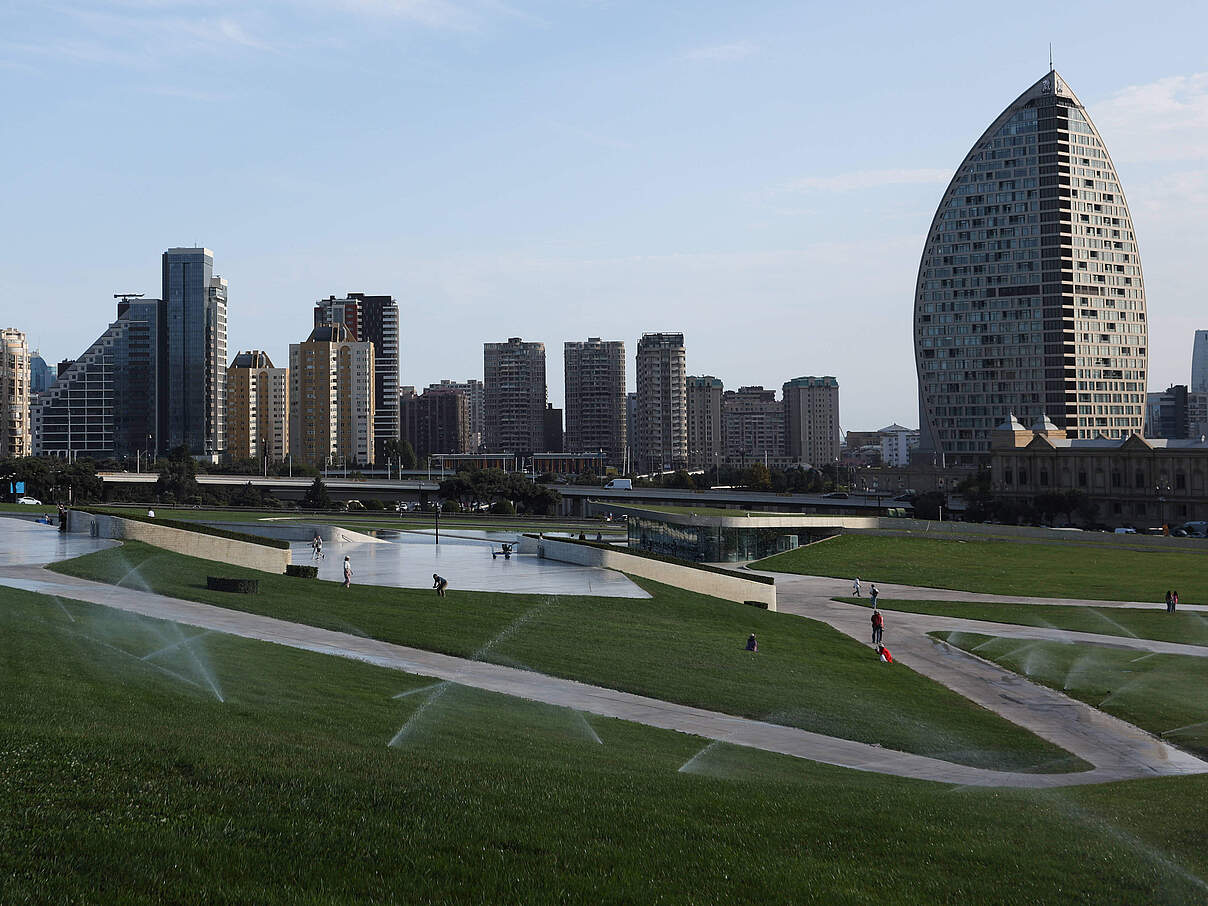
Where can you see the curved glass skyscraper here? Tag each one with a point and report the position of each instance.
(1030, 298)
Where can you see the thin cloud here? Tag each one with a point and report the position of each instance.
(1166, 120)
(857, 180)
(722, 53)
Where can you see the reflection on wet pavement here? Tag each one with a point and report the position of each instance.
(24, 543)
(464, 558)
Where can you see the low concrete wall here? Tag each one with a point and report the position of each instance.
(728, 588)
(194, 544)
(298, 531)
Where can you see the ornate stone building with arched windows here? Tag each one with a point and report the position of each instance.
(1131, 481)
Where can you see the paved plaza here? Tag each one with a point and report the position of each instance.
(408, 560)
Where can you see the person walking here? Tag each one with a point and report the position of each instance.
(440, 583)
(1174, 601)
(347, 573)
(316, 547)
(855, 586)
(1170, 601)
(878, 626)
(872, 595)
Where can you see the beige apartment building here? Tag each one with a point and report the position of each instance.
(811, 420)
(705, 433)
(595, 398)
(14, 394)
(257, 408)
(661, 440)
(331, 398)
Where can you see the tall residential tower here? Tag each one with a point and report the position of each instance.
(662, 404)
(514, 379)
(1030, 298)
(595, 397)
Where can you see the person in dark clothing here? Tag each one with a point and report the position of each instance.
(878, 625)
(752, 645)
(440, 583)
(1170, 602)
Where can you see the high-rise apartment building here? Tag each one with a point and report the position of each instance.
(257, 416)
(475, 396)
(41, 375)
(1199, 362)
(331, 398)
(514, 381)
(662, 404)
(437, 421)
(706, 433)
(192, 376)
(551, 430)
(15, 437)
(106, 402)
(372, 319)
(811, 420)
(753, 424)
(1030, 298)
(595, 398)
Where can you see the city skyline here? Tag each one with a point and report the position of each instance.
(565, 198)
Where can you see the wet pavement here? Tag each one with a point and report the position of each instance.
(409, 559)
(23, 541)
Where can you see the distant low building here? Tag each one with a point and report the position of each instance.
(1131, 480)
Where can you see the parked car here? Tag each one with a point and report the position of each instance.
(838, 495)
(32, 501)
(1125, 530)
(619, 484)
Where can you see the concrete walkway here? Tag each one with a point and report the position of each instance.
(841, 588)
(1117, 750)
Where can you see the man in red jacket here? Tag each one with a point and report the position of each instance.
(878, 624)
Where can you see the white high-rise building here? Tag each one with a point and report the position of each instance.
(1030, 298)
(15, 437)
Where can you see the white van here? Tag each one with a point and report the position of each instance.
(619, 484)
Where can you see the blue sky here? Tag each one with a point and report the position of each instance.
(758, 175)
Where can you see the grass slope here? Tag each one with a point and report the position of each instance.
(1186, 627)
(1162, 693)
(679, 646)
(1004, 567)
(124, 783)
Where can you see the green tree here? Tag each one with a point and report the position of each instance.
(406, 454)
(178, 476)
(759, 478)
(316, 496)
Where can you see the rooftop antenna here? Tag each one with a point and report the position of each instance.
(1050, 56)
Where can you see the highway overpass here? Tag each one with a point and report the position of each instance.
(574, 497)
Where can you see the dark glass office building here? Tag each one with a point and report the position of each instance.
(192, 385)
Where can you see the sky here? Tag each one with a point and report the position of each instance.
(758, 175)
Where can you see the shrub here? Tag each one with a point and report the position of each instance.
(374, 504)
(237, 586)
(302, 571)
(503, 508)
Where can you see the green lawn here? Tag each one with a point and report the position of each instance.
(1185, 627)
(1162, 693)
(125, 780)
(678, 646)
(1004, 567)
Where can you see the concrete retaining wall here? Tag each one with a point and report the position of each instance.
(298, 531)
(729, 588)
(181, 541)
